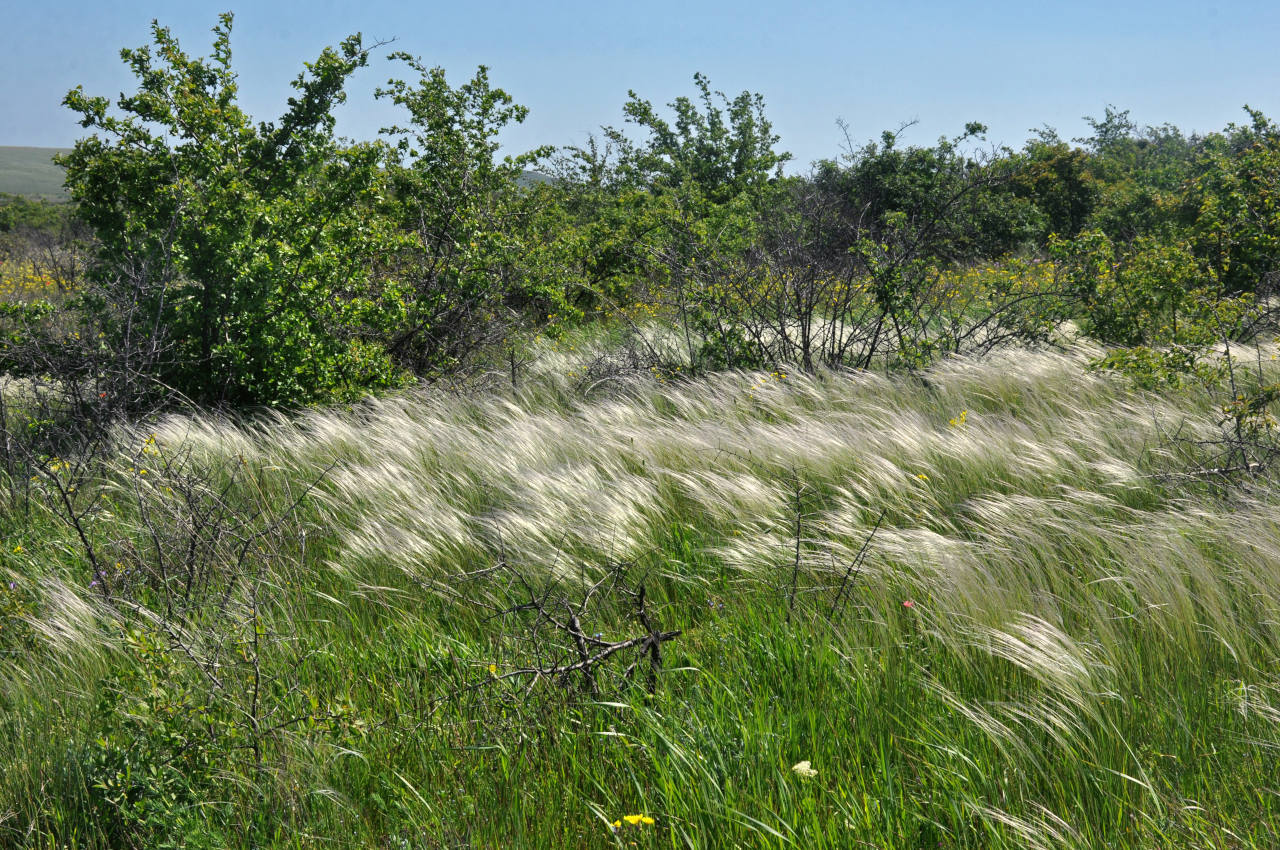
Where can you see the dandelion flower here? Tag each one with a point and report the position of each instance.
(493, 669)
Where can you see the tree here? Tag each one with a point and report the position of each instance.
(912, 215)
(708, 177)
(247, 247)
(1233, 205)
(1056, 177)
(722, 153)
(462, 261)
(1139, 174)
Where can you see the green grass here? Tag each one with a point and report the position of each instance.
(1089, 658)
(31, 172)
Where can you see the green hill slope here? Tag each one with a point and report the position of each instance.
(31, 172)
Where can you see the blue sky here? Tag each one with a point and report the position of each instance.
(1013, 66)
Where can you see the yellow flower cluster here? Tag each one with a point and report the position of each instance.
(764, 381)
(22, 281)
(993, 280)
(636, 312)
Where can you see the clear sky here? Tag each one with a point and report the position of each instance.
(1012, 65)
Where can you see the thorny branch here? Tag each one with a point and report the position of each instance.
(558, 637)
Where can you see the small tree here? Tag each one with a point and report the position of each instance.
(248, 247)
(721, 153)
(462, 264)
(1233, 205)
(910, 217)
(1057, 179)
(709, 175)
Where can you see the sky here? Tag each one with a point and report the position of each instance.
(1014, 66)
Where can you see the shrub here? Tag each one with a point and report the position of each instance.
(245, 249)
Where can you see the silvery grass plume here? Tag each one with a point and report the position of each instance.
(1014, 564)
(427, 482)
(70, 619)
(1046, 831)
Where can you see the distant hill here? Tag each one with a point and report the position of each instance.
(533, 178)
(31, 172)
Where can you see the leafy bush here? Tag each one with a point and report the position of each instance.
(462, 264)
(246, 247)
(1232, 204)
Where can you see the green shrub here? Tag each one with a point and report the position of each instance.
(244, 249)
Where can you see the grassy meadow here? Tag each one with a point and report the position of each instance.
(414, 492)
(979, 607)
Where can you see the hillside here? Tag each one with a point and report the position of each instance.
(31, 172)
